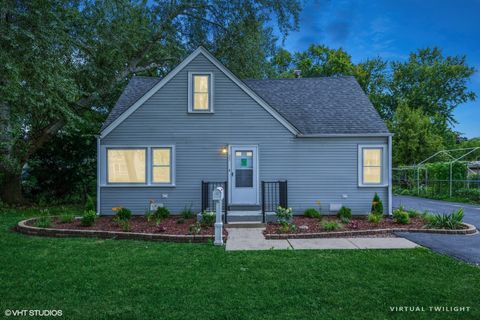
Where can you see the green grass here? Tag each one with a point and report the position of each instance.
(120, 279)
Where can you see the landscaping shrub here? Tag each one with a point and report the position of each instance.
(401, 216)
(447, 221)
(161, 213)
(344, 212)
(195, 228)
(427, 217)
(67, 218)
(287, 228)
(187, 213)
(312, 213)
(88, 218)
(124, 214)
(377, 205)
(89, 204)
(148, 215)
(374, 218)
(124, 224)
(44, 222)
(208, 218)
(284, 215)
(413, 213)
(331, 225)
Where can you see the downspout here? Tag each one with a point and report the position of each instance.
(390, 187)
(98, 175)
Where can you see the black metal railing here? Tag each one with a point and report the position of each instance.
(207, 190)
(274, 194)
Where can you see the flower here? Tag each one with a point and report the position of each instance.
(115, 209)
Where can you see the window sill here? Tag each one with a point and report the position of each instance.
(123, 185)
(372, 185)
(200, 112)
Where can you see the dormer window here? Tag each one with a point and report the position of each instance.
(200, 91)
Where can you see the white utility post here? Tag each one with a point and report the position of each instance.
(218, 199)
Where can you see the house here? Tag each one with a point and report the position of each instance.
(301, 143)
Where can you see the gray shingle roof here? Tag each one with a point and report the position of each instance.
(325, 105)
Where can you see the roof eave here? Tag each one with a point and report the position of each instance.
(346, 135)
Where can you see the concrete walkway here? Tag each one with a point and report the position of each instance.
(253, 239)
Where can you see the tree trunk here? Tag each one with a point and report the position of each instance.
(11, 188)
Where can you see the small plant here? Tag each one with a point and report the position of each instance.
(413, 213)
(375, 218)
(44, 222)
(148, 215)
(401, 216)
(284, 215)
(447, 221)
(312, 213)
(208, 218)
(124, 224)
(195, 228)
(123, 214)
(287, 228)
(161, 213)
(344, 220)
(180, 221)
(88, 218)
(331, 225)
(377, 205)
(89, 204)
(187, 213)
(344, 212)
(67, 218)
(427, 217)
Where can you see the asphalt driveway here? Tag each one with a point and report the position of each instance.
(466, 248)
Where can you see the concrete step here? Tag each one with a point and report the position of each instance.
(248, 216)
(244, 207)
(245, 224)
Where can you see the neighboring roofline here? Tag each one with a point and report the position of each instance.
(334, 135)
(177, 69)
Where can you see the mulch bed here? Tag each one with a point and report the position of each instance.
(169, 226)
(356, 224)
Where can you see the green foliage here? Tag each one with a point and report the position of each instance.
(344, 220)
(287, 228)
(284, 215)
(195, 228)
(67, 218)
(208, 218)
(312, 213)
(447, 221)
(471, 194)
(88, 218)
(123, 214)
(89, 204)
(124, 224)
(412, 213)
(401, 216)
(344, 212)
(375, 218)
(180, 221)
(187, 213)
(44, 222)
(161, 213)
(332, 225)
(377, 205)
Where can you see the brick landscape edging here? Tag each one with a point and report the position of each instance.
(22, 227)
(471, 229)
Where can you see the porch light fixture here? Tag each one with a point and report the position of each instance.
(224, 150)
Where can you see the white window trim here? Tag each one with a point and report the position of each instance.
(210, 92)
(148, 167)
(385, 176)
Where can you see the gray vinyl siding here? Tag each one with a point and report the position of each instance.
(316, 168)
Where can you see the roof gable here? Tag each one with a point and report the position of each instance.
(138, 91)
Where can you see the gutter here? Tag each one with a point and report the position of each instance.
(339, 135)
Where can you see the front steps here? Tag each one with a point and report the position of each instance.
(248, 218)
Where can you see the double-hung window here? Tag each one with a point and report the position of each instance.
(140, 166)
(371, 167)
(200, 91)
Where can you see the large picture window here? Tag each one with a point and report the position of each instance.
(372, 165)
(126, 165)
(140, 166)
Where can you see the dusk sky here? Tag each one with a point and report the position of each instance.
(392, 29)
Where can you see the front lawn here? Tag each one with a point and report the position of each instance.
(123, 279)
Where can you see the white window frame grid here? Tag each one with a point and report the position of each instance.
(191, 92)
(384, 165)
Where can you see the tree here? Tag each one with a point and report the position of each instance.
(319, 60)
(415, 137)
(63, 59)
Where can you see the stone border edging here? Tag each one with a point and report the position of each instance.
(471, 229)
(22, 227)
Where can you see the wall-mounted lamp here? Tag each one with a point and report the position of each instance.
(224, 150)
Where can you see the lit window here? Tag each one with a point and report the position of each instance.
(126, 165)
(372, 165)
(161, 165)
(200, 91)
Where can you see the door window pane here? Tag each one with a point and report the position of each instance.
(126, 165)
(244, 169)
